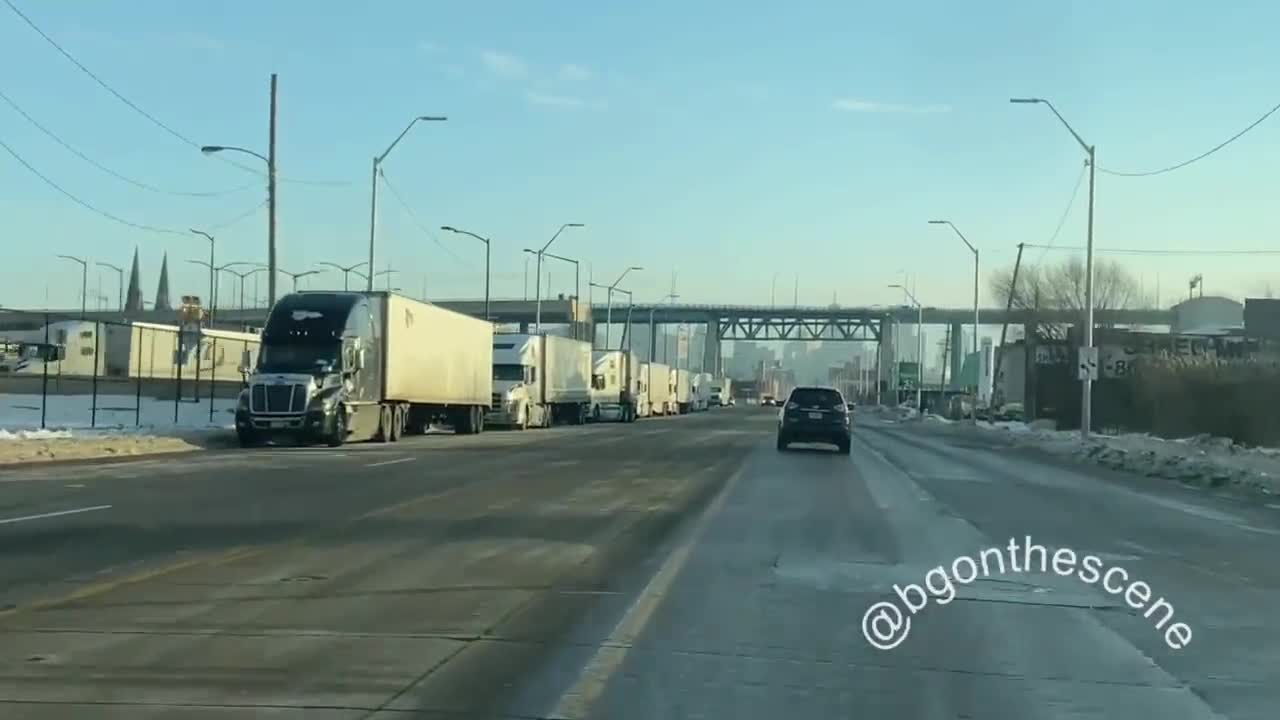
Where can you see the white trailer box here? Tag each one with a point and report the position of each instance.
(568, 370)
(540, 379)
(658, 377)
(721, 392)
(615, 384)
(436, 356)
(681, 390)
(701, 391)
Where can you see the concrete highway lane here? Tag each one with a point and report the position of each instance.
(671, 568)
(308, 581)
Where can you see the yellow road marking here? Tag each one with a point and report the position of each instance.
(591, 683)
(99, 588)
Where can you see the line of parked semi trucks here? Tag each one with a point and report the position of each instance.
(336, 367)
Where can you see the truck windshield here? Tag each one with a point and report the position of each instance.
(508, 372)
(298, 358)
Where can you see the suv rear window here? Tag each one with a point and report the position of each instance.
(816, 397)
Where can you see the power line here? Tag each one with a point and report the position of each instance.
(1141, 251)
(396, 194)
(136, 183)
(154, 120)
(1199, 157)
(246, 214)
(82, 203)
(1065, 213)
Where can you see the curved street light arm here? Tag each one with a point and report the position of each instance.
(404, 132)
(210, 149)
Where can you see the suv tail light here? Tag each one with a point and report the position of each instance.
(840, 408)
(793, 406)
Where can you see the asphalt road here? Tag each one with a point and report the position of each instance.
(673, 568)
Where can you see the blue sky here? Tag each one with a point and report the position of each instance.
(725, 141)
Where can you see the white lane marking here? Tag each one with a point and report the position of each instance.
(390, 462)
(577, 702)
(42, 516)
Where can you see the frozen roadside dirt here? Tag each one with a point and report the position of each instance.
(45, 445)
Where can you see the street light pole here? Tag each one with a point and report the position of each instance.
(243, 276)
(373, 195)
(608, 321)
(1086, 397)
(119, 282)
(213, 302)
(974, 250)
(271, 201)
(484, 240)
(919, 347)
(537, 315)
(346, 272)
(270, 160)
(84, 282)
(577, 281)
(302, 274)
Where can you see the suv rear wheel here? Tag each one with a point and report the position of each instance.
(782, 443)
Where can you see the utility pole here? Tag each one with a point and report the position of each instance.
(271, 202)
(1008, 308)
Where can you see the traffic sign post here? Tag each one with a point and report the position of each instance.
(1088, 363)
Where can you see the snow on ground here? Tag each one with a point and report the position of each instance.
(1200, 460)
(71, 433)
(74, 412)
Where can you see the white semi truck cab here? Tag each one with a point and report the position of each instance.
(539, 380)
(515, 383)
(339, 366)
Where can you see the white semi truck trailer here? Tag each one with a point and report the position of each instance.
(340, 366)
(658, 377)
(722, 392)
(681, 391)
(615, 385)
(539, 380)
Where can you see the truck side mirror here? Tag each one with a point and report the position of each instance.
(359, 358)
(246, 362)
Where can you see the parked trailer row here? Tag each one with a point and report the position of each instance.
(335, 367)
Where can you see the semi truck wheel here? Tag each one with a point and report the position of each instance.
(247, 438)
(384, 424)
(524, 419)
(479, 424)
(339, 435)
(397, 423)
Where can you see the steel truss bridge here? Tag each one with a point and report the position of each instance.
(731, 322)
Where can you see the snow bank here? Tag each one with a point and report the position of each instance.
(70, 432)
(1201, 460)
(122, 412)
(38, 449)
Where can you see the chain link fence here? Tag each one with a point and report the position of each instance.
(64, 372)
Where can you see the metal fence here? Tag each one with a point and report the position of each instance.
(64, 372)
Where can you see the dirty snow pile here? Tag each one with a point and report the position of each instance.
(124, 426)
(1200, 460)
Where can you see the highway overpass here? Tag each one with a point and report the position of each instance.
(737, 322)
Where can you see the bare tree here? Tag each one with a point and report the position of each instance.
(1062, 287)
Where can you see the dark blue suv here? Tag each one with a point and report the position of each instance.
(817, 415)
